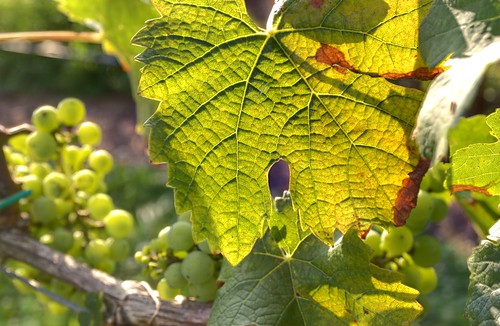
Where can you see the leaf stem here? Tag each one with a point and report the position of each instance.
(61, 36)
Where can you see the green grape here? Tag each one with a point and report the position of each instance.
(118, 248)
(78, 244)
(41, 146)
(163, 233)
(119, 223)
(138, 256)
(33, 183)
(56, 185)
(45, 118)
(99, 205)
(47, 239)
(17, 159)
(70, 158)
(166, 292)
(373, 240)
(18, 143)
(106, 265)
(101, 161)
(439, 211)
(64, 206)
(198, 267)
(411, 275)
(420, 215)
(186, 217)
(180, 237)
(86, 180)
(205, 247)
(426, 251)
(71, 111)
(174, 276)
(89, 133)
(158, 245)
(61, 288)
(204, 292)
(43, 210)
(96, 251)
(39, 169)
(396, 240)
(428, 280)
(63, 239)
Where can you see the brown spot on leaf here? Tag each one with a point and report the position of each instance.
(458, 188)
(422, 73)
(407, 195)
(317, 3)
(333, 57)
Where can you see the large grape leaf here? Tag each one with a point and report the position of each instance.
(310, 89)
(483, 304)
(118, 21)
(318, 285)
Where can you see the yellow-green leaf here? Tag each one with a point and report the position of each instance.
(309, 90)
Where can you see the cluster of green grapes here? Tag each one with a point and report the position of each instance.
(180, 266)
(410, 249)
(68, 208)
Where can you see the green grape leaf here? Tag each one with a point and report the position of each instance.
(483, 304)
(118, 21)
(475, 167)
(318, 285)
(469, 131)
(458, 28)
(311, 89)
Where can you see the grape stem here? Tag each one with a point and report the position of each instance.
(60, 36)
(128, 302)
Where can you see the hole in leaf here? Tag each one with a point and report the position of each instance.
(278, 178)
(259, 10)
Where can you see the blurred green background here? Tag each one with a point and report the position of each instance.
(34, 74)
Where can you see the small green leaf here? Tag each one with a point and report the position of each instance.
(469, 131)
(476, 167)
(285, 224)
(458, 28)
(483, 305)
(311, 90)
(318, 285)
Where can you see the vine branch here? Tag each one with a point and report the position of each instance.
(60, 36)
(129, 302)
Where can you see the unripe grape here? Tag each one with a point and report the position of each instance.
(86, 180)
(420, 215)
(43, 210)
(396, 240)
(41, 146)
(428, 280)
(174, 276)
(180, 237)
(63, 239)
(16, 159)
(70, 155)
(204, 292)
(118, 248)
(96, 251)
(39, 169)
(56, 185)
(198, 267)
(45, 118)
(119, 223)
(205, 247)
(99, 205)
(439, 211)
(158, 245)
(18, 143)
(71, 111)
(89, 133)
(166, 292)
(64, 206)
(373, 240)
(426, 251)
(33, 183)
(106, 265)
(186, 217)
(101, 161)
